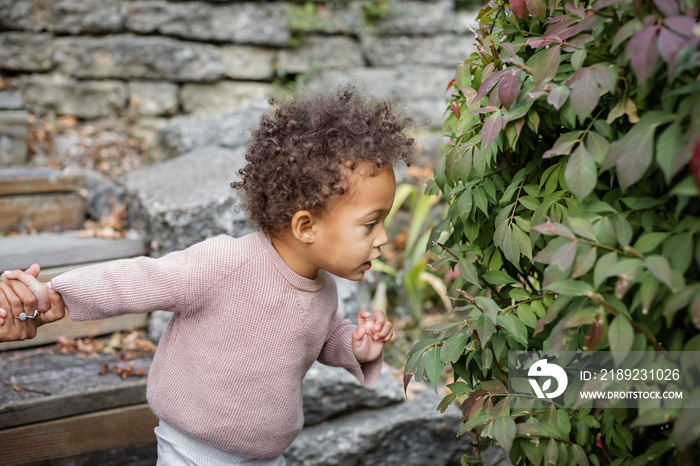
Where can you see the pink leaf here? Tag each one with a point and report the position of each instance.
(667, 7)
(557, 97)
(585, 95)
(519, 8)
(643, 52)
(557, 29)
(605, 76)
(695, 164)
(578, 11)
(551, 228)
(455, 110)
(537, 8)
(509, 87)
(492, 126)
(563, 144)
(547, 65)
(670, 44)
(683, 25)
(487, 85)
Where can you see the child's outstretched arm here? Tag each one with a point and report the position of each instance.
(373, 331)
(26, 303)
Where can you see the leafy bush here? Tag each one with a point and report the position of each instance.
(573, 217)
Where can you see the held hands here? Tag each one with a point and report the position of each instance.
(373, 331)
(21, 292)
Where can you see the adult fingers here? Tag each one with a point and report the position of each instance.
(38, 289)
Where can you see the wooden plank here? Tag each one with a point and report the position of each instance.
(45, 212)
(52, 385)
(54, 250)
(78, 435)
(50, 333)
(33, 180)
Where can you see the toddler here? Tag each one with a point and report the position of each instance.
(251, 314)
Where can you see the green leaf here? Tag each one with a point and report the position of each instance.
(579, 455)
(504, 430)
(584, 94)
(581, 174)
(660, 268)
(564, 257)
(546, 66)
(667, 147)
(519, 294)
(453, 347)
(636, 154)
(597, 146)
(468, 271)
(527, 316)
(510, 246)
(585, 259)
(498, 277)
(620, 337)
(570, 288)
(433, 365)
(602, 268)
(484, 328)
(515, 328)
(623, 230)
(649, 241)
(523, 242)
(551, 453)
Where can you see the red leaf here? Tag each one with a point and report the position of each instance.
(578, 11)
(519, 8)
(509, 87)
(670, 44)
(547, 65)
(695, 164)
(643, 52)
(584, 94)
(455, 109)
(492, 126)
(558, 29)
(450, 85)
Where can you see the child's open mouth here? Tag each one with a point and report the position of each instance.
(367, 265)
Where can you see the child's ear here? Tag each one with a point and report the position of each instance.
(303, 226)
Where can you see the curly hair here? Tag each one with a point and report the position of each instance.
(296, 157)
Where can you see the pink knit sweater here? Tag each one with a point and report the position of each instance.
(245, 330)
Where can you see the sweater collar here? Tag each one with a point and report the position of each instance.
(294, 279)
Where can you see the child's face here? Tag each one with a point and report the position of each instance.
(350, 231)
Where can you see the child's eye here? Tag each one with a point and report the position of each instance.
(371, 225)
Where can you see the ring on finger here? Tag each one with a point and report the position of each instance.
(24, 316)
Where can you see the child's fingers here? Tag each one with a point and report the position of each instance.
(40, 299)
(58, 309)
(378, 318)
(362, 318)
(384, 334)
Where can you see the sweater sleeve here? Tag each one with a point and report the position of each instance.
(127, 286)
(337, 352)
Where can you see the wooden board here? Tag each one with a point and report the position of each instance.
(10, 100)
(35, 180)
(105, 430)
(45, 212)
(42, 384)
(56, 250)
(50, 333)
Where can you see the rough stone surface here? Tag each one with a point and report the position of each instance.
(417, 18)
(126, 57)
(185, 133)
(153, 98)
(224, 95)
(412, 433)
(331, 391)
(13, 137)
(318, 52)
(24, 51)
(66, 96)
(187, 199)
(244, 23)
(102, 193)
(445, 50)
(248, 62)
(62, 16)
(420, 88)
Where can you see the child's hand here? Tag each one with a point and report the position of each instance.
(373, 330)
(21, 292)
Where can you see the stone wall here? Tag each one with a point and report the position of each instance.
(156, 59)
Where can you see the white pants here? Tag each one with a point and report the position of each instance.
(177, 449)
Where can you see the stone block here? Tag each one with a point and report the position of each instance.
(243, 23)
(443, 50)
(332, 391)
(185, 200)
(221, 96)
(25, 51)
(412, 433)
(153, 98)
(248, 62)
(127, 57)
(317, 52)
(62, 16)
(62, 95)
(417, 18)
(420, 89)
(186, 133)
(13, 137)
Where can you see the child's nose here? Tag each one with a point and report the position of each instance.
(382, 238)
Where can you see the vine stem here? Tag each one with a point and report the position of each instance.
(615, 311)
